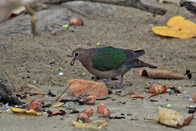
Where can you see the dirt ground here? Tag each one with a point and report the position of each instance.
(37, 60)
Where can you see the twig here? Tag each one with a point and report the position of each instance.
(127, 3)
(107, 120)
(63, 93)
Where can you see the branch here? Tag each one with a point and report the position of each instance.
(127, 3)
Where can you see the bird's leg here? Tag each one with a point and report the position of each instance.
(122, 81)
(31, 12)
(107, 80)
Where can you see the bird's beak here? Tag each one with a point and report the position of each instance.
(73, 61)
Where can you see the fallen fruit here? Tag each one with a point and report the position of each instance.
(83, 117)
(157, 89)
(105, 113)
(89, 112)
(100, 108)
(34, 105)
(76, 21)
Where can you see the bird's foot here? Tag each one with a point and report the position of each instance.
(122, 85)
(107, 81)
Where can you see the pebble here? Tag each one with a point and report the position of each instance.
(190, 99)
(61, 73)
(65, 26)
(34, 82)
(164, 57)
(169, 90)
(151, 25)
(168, 105)
(98, 44)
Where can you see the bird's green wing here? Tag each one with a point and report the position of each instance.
(108, 58)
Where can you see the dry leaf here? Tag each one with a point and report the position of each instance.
(177, 27)
(24, 111)
(139, 94)
(160, 74)
(172, 118)
(85, 87)
(57, 104)
(100, 124)
(58, 112)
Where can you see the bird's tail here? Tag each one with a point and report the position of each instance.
(136, 63)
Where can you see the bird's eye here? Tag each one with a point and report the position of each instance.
(76, 54)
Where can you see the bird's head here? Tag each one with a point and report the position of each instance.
(76, 55)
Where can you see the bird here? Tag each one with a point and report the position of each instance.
(31, 6)
(109, 62)
(7, 6)
(190, 5)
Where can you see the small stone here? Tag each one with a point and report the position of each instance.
(164, 57)
(62, 118)
(151, 25)
(190, 99)
(169, 90)
(98, 44)
(168, 105)
(34, 82)
(80, 121)
(65, 26)
(61, 73)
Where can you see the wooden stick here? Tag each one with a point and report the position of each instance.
(63, 93)
(139, 4)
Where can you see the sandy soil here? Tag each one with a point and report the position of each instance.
(37, 61)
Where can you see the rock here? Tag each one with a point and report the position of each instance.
(6, 96)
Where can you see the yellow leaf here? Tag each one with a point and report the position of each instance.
(172, 118)
(177, 27)
(57, 104)
(100, 124)
(32, 112)
(23, 111)
(17, 110)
